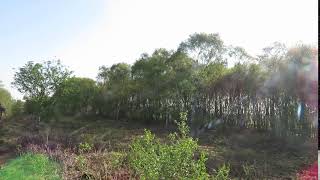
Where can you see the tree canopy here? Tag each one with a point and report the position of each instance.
(262, 91)
(38, 82)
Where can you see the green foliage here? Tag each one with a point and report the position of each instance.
(204, 47)
(31, 167)
(239, 54)
(85, 147)
(116, 159)
(17, 108)
(249, 170)
(81, 162)
(6, 100)
(192, 78)
(222, 173)
(144, 156)
(42, 107)
(31, 106)
(75, 95)
(116, 86)
(39, 82)
(182, 125)
(174, 160)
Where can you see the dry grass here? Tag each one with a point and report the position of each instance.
(93, 164)
(260, 155)
(249, 153)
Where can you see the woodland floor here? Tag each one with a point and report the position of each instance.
(251, 154)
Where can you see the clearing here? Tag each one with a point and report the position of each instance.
(251, 154)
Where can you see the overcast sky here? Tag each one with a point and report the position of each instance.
(87, 34)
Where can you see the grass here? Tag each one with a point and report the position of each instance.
(248, 152)
(30, 167)
(255, 154)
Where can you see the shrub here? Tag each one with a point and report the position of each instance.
(222, 173)
(17, 108)
(93, 164)
(249, 170)
(174, 160)
(31, 167)
(85, 147)
(116, 159)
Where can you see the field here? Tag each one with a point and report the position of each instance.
(250, 154)
(199, 90)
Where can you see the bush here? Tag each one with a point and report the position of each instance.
(85, 147)
(174, 160)
(222, 173)
(17, 108)
(86, 165)
(31, 167)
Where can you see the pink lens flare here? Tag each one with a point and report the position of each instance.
(310, 173)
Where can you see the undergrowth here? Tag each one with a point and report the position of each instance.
(158, 156)
(86, 163)
(173, 160)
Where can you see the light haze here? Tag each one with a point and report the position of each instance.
(87, 34)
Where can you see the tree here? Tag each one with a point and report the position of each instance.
(6, 100)
(239, 54)
(116, 81)
(17, 108)
(204, 47)
(75, 95)
(183, 81)
(273, 56)
(38, 82)
(152, 88)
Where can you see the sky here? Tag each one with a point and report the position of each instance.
(87, 34)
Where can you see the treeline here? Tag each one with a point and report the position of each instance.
(273, 91)
(12, 106)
